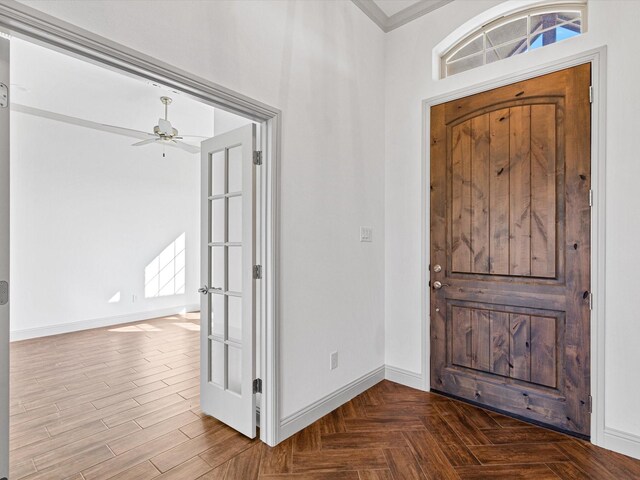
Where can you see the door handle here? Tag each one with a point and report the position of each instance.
(437, 285)
(203, 290)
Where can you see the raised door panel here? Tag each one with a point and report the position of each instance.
(503, 192)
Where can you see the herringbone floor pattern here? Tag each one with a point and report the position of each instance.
(122, 403)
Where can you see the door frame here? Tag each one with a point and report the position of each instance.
(598, 59)
(38, 27)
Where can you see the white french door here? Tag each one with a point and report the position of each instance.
(228, 307)
(4, 258)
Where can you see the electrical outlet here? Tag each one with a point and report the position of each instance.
(333, 360)
(366, 234)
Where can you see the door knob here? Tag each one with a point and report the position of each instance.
(437, 285)
(204, 290)
(437, 268)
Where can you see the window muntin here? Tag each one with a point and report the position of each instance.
(513, 35)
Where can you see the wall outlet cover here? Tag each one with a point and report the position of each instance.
(366, 234)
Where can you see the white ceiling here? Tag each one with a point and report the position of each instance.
(48, 80)
(391, 7)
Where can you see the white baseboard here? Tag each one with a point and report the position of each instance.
(303, 418)
(622, 442)
(99, 322)
(404, 377)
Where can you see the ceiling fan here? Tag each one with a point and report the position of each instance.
(164, 133)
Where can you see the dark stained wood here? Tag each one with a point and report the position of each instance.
(500, 342)
(543, 190)
(480, 172)
(399, 432)
(519, 356)
(510, 226)
(520, 191)
(461, 336)
(499, 169)
(543, 350)
(481, 339)
(506, 472)
(461, 191)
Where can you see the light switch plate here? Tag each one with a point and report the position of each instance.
(366, 234)
(333, 360)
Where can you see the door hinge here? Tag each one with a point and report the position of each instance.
(257, 272)
(590, 93)
(591, 198)
(4, 96)
(257, 385)
(4, 292)
(590, 404)
(590, 301)
(257, 157)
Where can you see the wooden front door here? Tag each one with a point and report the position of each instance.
(510, 248)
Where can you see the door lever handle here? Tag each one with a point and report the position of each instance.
(437, 285)
(203, 290)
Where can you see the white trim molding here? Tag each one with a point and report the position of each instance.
(59, 328)
(404, 377)
(404, 16)
(597, 58)
(23, 21)
(622, 442)
(304, 417)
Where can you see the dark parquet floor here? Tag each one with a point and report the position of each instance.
(123, 403)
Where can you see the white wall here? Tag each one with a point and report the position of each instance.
(322, 63)
(88, 211)
(409, 80)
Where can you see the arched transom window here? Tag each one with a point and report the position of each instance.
(513, 35)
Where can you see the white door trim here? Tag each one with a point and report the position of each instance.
(22, 21)
(597, 58)
(4, 263)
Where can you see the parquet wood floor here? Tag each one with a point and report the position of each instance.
(122, 403)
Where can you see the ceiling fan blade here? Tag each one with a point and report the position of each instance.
(186, 147)
(195, 136)
(145, 142)
(128, 132)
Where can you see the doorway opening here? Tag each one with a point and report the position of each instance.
(168, 262)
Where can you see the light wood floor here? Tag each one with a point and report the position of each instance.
(122, 402)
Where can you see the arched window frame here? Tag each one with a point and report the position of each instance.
(576, 7)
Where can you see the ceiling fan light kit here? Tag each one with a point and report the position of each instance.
(166, 134)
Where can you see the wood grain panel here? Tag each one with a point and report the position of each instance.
(543, 351)
(543, 190)
(481, 339)
(480, 172)
(519, 349)
(461, 336)
(499, 193)
(520, 191)
(461, 198)
(500, 343)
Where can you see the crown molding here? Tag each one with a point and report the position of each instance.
(386, 23)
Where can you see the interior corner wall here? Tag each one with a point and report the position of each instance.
(88, 214)
(322, 64)
(409, 81)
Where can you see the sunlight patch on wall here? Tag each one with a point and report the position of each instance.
(115, 298)
(165, 274)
